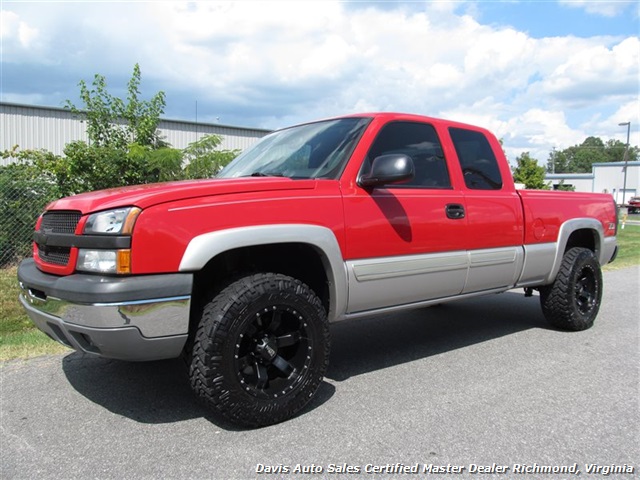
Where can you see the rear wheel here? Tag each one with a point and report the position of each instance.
(572, 301)
(261, 350)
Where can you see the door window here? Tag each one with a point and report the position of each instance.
(420, 142)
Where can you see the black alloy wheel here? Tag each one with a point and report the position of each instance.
(273, 351)
(261, 350)
(586, 291)
(572, 301)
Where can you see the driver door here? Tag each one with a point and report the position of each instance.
(405, 243)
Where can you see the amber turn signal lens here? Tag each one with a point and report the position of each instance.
(123, 261)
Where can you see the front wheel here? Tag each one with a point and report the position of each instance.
(261, 350)
(572, 301)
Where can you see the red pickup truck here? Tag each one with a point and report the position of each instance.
(320, 222)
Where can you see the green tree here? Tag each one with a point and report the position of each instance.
(157, 165)
(142, 117)
(558, 162)
(203, 160)
(124, 145)
(99, 113)
(529, 172)
(565, 188)
(586, 154)
(614, 150)
(580, 158)
(112, 122)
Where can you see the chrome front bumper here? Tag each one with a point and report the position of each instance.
(128, 318)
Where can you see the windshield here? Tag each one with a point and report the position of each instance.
(314, 150)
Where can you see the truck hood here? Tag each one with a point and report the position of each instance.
(144, 196)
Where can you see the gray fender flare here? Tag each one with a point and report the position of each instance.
(204, 247)
(567, 229)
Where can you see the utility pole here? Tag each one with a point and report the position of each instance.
(626, 160)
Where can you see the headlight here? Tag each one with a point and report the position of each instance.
(113, 222)
(119, 221)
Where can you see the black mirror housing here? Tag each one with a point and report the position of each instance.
(391, 168)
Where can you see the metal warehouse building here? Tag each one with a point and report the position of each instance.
(49, 128)
(604, 178)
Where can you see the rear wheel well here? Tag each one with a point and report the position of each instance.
(298, 260)
(585, 238)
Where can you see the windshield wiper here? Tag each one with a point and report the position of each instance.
(264, 174)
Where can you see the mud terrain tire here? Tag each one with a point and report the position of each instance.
(572, 301)
(261, 350)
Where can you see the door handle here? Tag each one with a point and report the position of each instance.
(454, 211)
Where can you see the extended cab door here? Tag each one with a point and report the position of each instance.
(495, 232)
(405, 242)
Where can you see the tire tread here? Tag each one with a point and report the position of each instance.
(557, 299)
(206, 371)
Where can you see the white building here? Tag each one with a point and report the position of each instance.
(582, 182)
(49, 128)
(604, 178)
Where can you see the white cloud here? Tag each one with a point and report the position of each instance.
(27, 35)
(608, 127)
(609, 8)
(609, 72)
(8, 22)
(545, 127)
(15, 32)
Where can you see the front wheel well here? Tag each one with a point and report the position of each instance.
(301, 261)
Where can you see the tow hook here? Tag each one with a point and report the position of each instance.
(528, 291)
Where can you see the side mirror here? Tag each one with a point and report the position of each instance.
(391, 168)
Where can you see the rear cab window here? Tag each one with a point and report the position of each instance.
(477, 160)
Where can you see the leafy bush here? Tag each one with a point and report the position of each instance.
(202, 160)
(24, 192)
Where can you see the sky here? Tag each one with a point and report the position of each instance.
(541, 75)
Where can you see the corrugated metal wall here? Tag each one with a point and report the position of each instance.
(180, 134)
(36, 128)
(48, 128)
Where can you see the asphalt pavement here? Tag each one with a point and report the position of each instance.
(481, 389)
